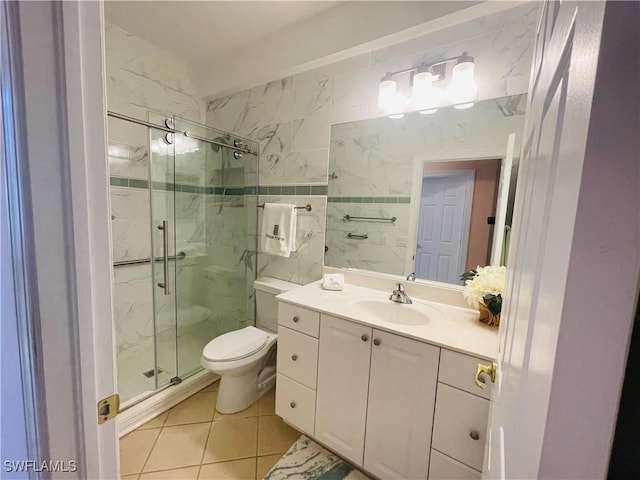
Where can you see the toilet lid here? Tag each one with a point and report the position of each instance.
(235, 345)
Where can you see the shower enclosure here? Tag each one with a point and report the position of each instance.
(183, 200)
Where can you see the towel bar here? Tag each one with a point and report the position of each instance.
(349, 217)
(307, 207)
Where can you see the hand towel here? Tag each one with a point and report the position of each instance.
(279, 229)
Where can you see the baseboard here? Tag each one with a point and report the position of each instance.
(162, 401)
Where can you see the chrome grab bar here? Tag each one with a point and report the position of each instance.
(359, 237)
(140, 261)
(165, 257)
(351, 217)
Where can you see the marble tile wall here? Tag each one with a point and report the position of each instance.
(208, 295)
(142, 78)
(291, 118)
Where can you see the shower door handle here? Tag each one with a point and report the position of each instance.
(165, 257)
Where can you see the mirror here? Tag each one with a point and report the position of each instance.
(430, 194)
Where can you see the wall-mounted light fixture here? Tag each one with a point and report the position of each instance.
(426, 92)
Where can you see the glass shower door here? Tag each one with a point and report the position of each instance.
(215, 227)
(163, 241)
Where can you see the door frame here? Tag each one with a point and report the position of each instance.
(61, 103)
(469, 177)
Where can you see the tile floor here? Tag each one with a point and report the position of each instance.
(193, 441)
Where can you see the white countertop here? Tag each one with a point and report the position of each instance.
(460, 329)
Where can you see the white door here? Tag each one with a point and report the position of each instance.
(343, 380)
(544, 215)
(402, 391)
(443, 228)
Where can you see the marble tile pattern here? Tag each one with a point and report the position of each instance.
(385, 248)
(143, 78)
(291, 117)
(305, 264)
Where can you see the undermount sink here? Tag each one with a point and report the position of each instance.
(383, 309)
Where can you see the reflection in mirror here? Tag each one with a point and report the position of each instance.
(429, 195)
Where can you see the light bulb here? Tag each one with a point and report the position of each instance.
(463, 70)
(429, 111)
(424, 95)
(463, 90)
(387, 93)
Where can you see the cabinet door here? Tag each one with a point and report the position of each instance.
(460, 425)
(402, 390)
(343, 379)
(446, 468)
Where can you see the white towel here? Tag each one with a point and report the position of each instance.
(279, 229)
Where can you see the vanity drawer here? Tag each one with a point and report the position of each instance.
(442, 467)
(296, 404)
(298, 356)
(459, 370)
(460, 425)
(299, 318)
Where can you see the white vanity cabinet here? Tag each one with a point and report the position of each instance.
(460, 419)
(297, 363)
(379, 383)
(343, 383)
(402, 382)
(394, 406)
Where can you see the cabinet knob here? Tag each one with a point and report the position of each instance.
(376, 342)
(475, 435)
(365, 338)
(294, 357)
(292, 404)
(296, 319)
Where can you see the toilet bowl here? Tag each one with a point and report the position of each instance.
(245, 358)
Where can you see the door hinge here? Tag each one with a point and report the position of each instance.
(108, 408)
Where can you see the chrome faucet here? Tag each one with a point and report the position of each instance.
(399, 296)
(412, 277)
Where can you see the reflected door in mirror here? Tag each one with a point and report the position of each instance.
(443, 231)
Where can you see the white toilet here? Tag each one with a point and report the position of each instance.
(245, 359)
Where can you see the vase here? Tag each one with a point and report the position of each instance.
(487, 317)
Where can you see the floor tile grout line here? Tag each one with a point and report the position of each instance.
(206, 443)
(150, 450)
(258, 434)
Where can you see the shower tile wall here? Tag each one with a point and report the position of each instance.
(143, 78)
(147, 83)
(292, 117)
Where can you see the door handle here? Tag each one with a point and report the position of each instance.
(489, 370)
(165, 257)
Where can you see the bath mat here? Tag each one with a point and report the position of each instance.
(308, 460)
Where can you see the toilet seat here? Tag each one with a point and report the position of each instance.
(235, 345)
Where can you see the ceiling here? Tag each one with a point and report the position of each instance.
(229, 45)
(204, 32)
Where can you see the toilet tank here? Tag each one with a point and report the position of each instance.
(266, 289)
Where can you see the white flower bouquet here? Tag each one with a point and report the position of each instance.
(483, 289)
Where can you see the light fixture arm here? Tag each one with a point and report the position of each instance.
(429, 66)
(423, 95)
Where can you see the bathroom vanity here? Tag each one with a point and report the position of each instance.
(389, 387)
